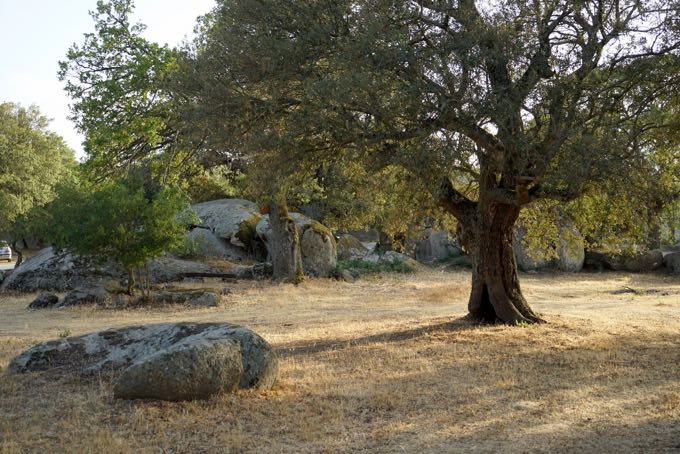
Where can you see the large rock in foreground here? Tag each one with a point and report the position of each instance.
(136, 350)
(185, 371)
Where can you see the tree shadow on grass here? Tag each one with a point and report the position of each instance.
(576, 391)
(296, 348)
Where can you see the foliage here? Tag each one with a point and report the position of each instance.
(117, 221)
(314, 80)
(522, 100)
(540, 226)
(358, 267)
(117, 82)
(356, 94)
(33, 161)
(219, 182)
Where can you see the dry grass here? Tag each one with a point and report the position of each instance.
(385, 365)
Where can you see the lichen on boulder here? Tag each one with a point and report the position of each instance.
(319, 250)
(149, 347)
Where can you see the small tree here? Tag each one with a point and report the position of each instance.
(119, 222)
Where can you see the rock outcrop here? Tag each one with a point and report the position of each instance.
(196, 298)
(634, 263)
(205, 355)
(224, 216)
(436, 244)
(566, 252)
(227, 230)
(571, 253)
(528, 259)
(391, 257)
(45, 300)
(319, 250)
(169, 269)
(351, 248)
(640, 263)
(205, 244)
(58, 271)
(672, 262)
(317, 244)
(61, 271)
(86, 296)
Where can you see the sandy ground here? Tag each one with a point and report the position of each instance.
(386, 364)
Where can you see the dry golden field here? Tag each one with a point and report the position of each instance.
(386, 364)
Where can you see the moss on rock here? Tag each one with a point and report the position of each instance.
(321, 230)
(246, 231)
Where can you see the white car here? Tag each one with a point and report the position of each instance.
(5, 251)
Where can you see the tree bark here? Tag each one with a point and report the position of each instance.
(496, 294)
(485, 230)
(284, 245)
(130, 282)
(20, 255)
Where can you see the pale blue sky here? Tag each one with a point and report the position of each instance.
(35, 35)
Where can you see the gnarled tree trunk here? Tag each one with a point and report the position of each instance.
(485, 230)
(496, 294)
(284, 245)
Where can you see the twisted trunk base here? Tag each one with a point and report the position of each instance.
(496, 295)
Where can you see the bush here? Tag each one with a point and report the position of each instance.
(120, 222)
(359, 267)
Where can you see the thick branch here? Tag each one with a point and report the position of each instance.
(455, 202)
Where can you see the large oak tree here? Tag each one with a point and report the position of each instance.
(503, 103)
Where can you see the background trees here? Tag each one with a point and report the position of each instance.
(121, 104)
(33, 161)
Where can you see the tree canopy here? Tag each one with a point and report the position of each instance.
(117, 82)
(33, 161)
